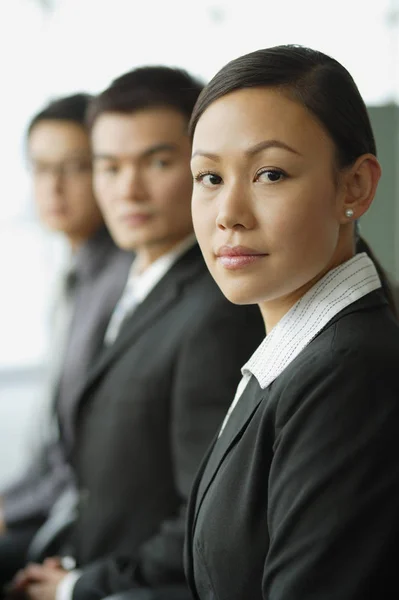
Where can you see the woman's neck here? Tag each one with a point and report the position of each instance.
(274, 310)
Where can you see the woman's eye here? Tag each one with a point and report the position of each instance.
(270, 176)
(208, 179)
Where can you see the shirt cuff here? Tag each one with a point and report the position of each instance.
(66, 587)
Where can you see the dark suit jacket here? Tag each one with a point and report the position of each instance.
(299, 497)
(150, 409)
(102, 272)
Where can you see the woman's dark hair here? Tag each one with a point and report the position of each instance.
(71, 108)
(317, 81)
(363, 246)
(148, 87)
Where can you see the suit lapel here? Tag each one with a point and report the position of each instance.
(191, 511)
(164, 295)
(242, 413)
(235, 426)
(240, 417)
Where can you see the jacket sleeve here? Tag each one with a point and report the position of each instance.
(206, 377)
(334, 484)
(46, 474)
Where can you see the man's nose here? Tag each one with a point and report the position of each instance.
(132, 185)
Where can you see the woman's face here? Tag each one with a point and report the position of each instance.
(267, 209)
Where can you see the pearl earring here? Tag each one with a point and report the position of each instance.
(349, 213)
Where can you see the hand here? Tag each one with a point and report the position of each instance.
(54, 562)
(40, 582)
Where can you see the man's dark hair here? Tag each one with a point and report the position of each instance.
(70, 108)
(317, 81)
(147, 87)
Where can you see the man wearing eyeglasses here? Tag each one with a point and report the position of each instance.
(59, 158)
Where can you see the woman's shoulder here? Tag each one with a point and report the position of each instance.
(366, 335)
(355, 355)
(365, 330)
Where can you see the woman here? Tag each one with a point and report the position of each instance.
(299, 496)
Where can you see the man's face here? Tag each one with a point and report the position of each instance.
(60, 158)
(142, 178)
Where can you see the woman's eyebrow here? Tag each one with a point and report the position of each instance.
(265, 145)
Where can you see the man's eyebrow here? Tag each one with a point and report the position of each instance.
(144, 154)
(160, 148)
(265, 145)
(74, 154)
(104, 156)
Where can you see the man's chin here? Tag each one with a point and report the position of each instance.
(56, 224)
(127, 242)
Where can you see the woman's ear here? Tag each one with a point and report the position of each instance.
(360, 186)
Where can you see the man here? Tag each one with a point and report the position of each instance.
(154, 402)
(59, 155)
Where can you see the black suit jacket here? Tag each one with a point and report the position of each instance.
(149, 411)
(102, 272)
(299, 497)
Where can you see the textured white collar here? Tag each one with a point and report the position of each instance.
(338, 289)
(335, 291)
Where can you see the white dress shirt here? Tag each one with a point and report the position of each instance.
(138, 287)
(140, 284)
(335, 291)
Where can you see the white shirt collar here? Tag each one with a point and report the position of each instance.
(335, 291)
(141, 284)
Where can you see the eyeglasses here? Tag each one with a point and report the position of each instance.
(66, 169)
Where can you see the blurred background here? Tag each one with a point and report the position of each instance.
(56, 47)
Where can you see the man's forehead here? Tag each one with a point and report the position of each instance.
(133, 152)
(148, 124)
(54, 154)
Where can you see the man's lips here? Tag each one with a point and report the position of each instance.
(237, 257)
(136, 218)
(56, 210)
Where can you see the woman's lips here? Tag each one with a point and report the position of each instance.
(237, 257)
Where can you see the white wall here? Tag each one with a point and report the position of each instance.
(82, 45)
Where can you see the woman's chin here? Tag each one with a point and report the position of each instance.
(238, 296)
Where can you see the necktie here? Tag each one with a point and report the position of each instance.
(124, 307)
